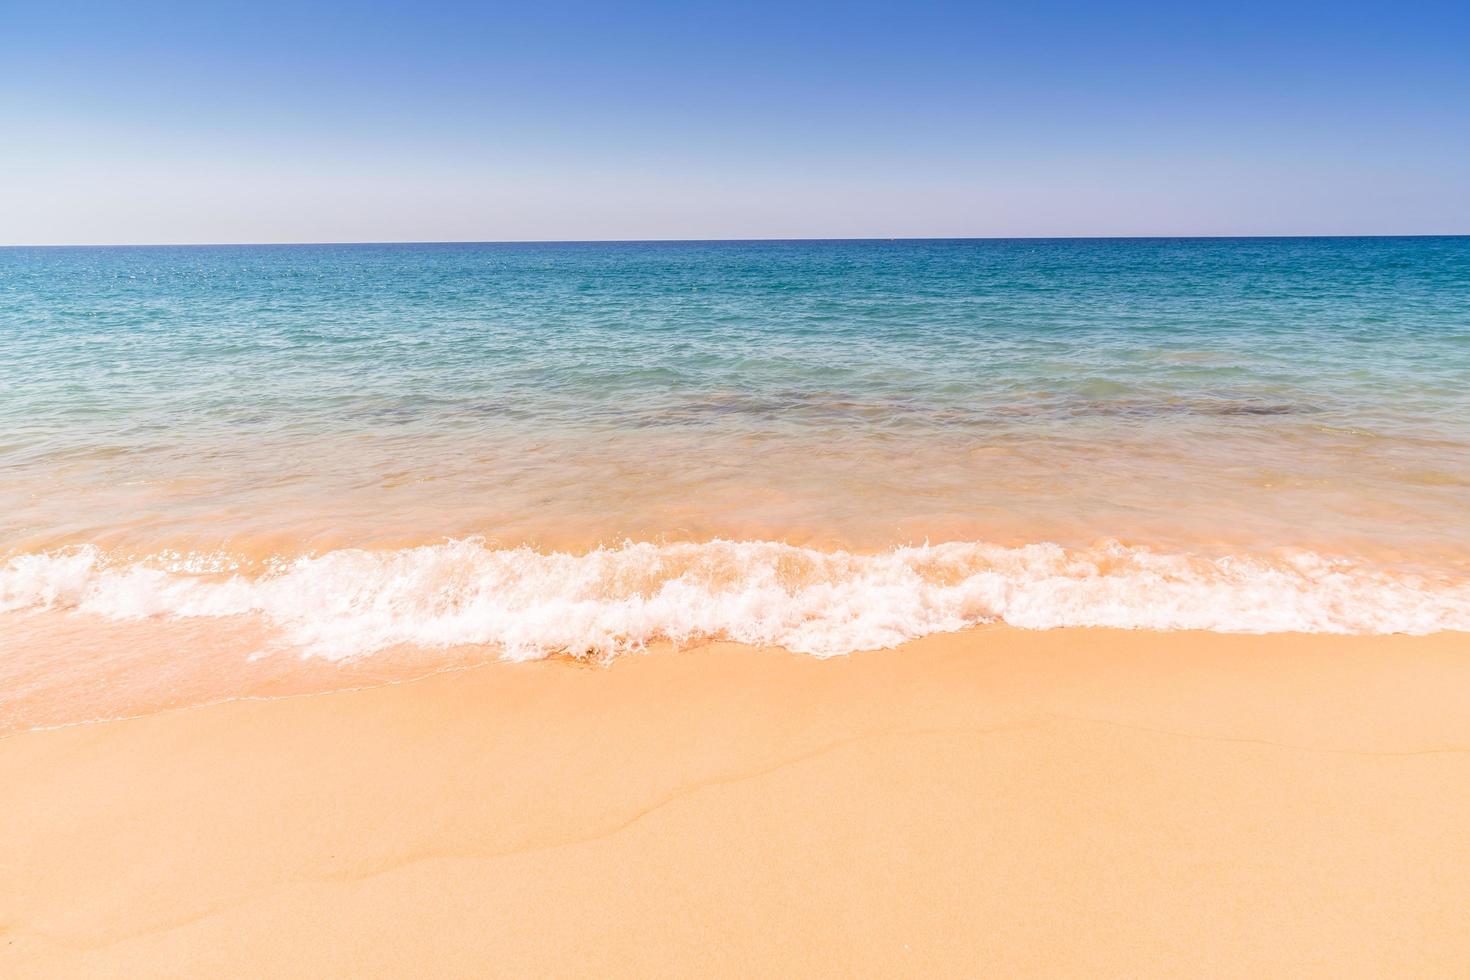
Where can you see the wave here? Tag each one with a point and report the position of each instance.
(528, 604)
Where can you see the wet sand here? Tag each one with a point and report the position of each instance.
(997, 802)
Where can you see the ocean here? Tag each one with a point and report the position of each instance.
(253, 470)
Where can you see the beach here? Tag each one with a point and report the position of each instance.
(734, 490)
(997, 802)
(1084, 607)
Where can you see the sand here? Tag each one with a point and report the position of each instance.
(997, 802)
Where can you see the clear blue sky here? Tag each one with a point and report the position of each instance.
(261, 121)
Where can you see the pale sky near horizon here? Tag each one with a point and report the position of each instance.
(181, 123)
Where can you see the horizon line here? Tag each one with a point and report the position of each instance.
(711, 241)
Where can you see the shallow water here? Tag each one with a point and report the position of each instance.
(412, 453)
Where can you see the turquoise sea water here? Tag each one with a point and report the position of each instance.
(1306, 359)
(445, 422)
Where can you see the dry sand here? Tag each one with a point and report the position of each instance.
(993, 803)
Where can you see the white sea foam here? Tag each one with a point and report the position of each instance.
(527, 603)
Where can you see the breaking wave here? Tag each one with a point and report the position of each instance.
(527, 604)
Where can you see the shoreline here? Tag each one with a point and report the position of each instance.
(1079, 800)
(89, 637)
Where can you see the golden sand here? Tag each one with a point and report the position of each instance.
(994, 803)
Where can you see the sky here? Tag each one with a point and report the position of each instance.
(148, 122)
